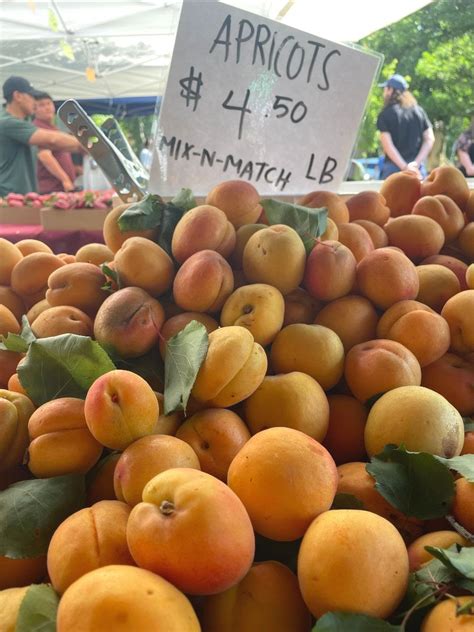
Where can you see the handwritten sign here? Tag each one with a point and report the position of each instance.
(249, 98)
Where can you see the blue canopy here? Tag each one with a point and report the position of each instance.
(120, 107)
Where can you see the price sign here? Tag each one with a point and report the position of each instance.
(249, 98)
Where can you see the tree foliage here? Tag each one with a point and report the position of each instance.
(434, 49)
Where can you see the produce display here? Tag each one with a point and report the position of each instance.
(60, 199)
(243, 416)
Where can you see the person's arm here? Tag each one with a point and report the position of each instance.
(55, 141)
(45, 156)
(466, 162)
(426, 146)
(391, 151)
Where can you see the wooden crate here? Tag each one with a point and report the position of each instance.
(73, 219)
(20, 215)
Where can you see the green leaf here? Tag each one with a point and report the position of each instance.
(112, 274)
(19, 342)
(457, 558)
(185, 352)
(346, 501)
(142, 215)
(62, 366)
(30, 512)
(171, 215)
(38, 610)
(416, 483)
(467, 608)
(309, 223)
(184, 200)
(463, 464)
(348, 622)
(423, 584)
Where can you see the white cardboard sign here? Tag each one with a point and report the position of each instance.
(249, 98)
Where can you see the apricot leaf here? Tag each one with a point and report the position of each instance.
(309, 223)
(185, 352)
(184, 200)
(416, 483)
(424, 584)
(463, 465)
(19, 342)
(30, 512)
(62, 366)
(38, 610)
(345, 621)
(457, 558)
(142, 215)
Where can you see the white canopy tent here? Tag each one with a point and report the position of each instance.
(127, 46)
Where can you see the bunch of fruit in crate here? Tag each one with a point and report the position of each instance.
(243, 415)
(79, 199)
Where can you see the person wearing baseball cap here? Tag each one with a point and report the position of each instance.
(18, 136)
(406, 133)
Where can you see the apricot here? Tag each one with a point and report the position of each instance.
(203, 282)
(114, 237)
(470, 277)
(267, 598)
(469, 207)
(444, 616)
(330, 271)
(37, 309)
(293, 400)
(28, 246)
(233, 369)
(360, 327)
(141, 263)
(66, 257)
(458, 312)
(331, 232)
(311, 349)
(10, 602)
(60, 442)
(204, 227)
(14, 384)
(8, 322)
(419, 556)
(336, 207)
(386, 276)
(21, 571)
(62, 320)
(144, 459)
(356, 481)
(443, 210)
(437, 285)
(243, 234)
(447, 180)
(122, 599)
(13, 301)
(376, 233)
(275, 255)
(359, 552)
(216, 435)
(401, 192)
(463, 505)
(345, 434)
(101, 480)
(206, 538)
(300, 307)
(357, 239)
(466, 241)
(77, 285)
(418, 236)
(259, 308)
(452, 263)
(9, 257)
(30, 276)
(284, 479)
(94, 253)
(88, 539)
(16, 410)
(368, 205)
(417, 417)
(239, 200)
(421, 330)
(177, 323)
(128, 322)
(120, 407)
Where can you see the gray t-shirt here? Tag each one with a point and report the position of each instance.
(17, 161)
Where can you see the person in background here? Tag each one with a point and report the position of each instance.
(18, 136)
(465, 151)
(146, 155)
(55, 168)
(406, 133)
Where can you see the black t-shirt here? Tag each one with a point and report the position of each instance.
(406, 127)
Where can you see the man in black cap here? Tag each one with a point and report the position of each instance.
(18, 135)
(406, 132)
